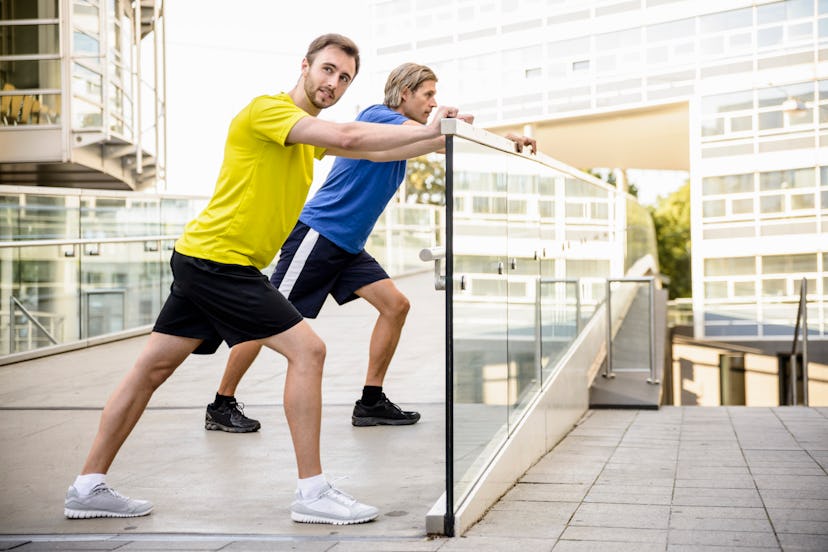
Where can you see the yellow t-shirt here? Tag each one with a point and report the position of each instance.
(260, 191)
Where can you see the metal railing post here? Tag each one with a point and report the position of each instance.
(538, 328)
(804, 300)
(608, 365)
(801, 315)
(652, 379)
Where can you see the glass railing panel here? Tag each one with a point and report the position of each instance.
(530, 246)
(401, 232)
(104, 269)
(523, 270)
(640, 234)
(176, 212)
(479, 311)
(121, 216)
(121, 285)
(39, 294)
(30, 216)
(560, 320)
(10, 210)
(631, 318)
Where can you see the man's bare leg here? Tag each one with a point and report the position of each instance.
(158, 360)
(374, 408)
(305, 353)
(316, 501)
(393, 309)
(90, 496)
(240, 359)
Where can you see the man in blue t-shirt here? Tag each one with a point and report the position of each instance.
(325, 254)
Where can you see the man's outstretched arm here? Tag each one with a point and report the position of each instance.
(341, 138)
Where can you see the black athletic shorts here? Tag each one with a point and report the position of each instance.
(311, 266)
(222, 302)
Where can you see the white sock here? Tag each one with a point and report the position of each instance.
(85, 483)
(311, 487)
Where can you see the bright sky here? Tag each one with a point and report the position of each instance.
(222, 54)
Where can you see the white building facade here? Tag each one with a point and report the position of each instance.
(733, 91)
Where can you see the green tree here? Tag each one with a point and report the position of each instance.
(671, 217)
(425, 179)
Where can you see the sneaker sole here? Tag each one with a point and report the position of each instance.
(368, 421)
(88, 514)
(307, 518)
(218, 427)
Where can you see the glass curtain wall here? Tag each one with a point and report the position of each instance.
(30, 71)
(529, 249)
(755, 293)
(103, 67)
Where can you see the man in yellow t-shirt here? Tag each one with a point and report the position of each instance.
(219, 293)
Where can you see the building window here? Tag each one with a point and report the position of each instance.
(579, 66)
(729, 266)
(728, 184)
(30, 75)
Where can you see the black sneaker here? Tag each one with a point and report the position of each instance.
(383, 413)
(229, 417)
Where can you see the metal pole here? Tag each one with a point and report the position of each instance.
(653, 379)
(538, 330)
(11, 325)
(793, 379)
(577, 307)
(608, 367)
(804, 300)
(448, 520)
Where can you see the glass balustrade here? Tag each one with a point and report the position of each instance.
(78, 264)
(530, 246)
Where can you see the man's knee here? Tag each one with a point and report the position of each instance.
(399, 307)
(316, 350)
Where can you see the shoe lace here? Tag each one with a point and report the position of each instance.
(387, 402)
(339, 496)
(234, 404)
(104, 488)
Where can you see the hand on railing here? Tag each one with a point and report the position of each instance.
(522, 142)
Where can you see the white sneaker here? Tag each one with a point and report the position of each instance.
(103, 501)
(331, 506)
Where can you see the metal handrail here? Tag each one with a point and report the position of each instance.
(15, 303)
(85, 241)
(801, 314)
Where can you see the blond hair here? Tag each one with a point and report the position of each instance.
(407, 75)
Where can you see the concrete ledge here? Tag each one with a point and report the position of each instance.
(74, 345)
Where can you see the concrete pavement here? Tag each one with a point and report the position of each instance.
(677, 479)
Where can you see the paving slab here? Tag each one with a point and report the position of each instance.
(729, 479)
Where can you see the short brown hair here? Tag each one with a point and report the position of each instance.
(407, 75)
(332, 39)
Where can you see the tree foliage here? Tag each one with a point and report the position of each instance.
(671, 217)
(425, 180)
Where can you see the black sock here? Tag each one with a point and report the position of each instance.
(371, 394)
(223, 399)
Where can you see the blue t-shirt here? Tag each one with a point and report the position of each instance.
(356, 191)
